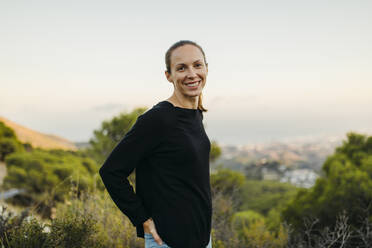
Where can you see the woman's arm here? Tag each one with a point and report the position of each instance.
(138, 142)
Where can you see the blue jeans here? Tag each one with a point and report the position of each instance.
(150, 242)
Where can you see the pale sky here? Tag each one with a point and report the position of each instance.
(277, 69)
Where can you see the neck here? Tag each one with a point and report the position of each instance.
(184, 102)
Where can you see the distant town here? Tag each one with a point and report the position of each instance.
(298, 162)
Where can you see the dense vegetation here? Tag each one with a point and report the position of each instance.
(346, 187)
(47, 176)
(76, 211)
(8, 142)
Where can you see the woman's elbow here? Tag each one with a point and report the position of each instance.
(102, 171)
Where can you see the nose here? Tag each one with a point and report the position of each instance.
(191, 73)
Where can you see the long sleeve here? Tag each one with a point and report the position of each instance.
(137, 144)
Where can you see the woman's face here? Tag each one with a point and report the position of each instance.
(188, 70)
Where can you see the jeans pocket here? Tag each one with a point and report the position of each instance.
(149, 240)
(151, 243)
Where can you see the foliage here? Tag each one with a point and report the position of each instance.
(253, 232)
(29, 235)
(246, 219)
(345, 186)
(6, 132)
(74, 231)
(8, 141)
(263, 196)
(341, 235)
(48, 175)
(113, 228)
(245, 228)
(228, 182)
(215, 151)
(257, 235)
(223, 210)
(110, 133)
(68, 231)
(9, 221)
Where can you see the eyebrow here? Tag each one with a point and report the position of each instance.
(185, 64)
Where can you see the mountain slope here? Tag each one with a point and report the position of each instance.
(37, 139)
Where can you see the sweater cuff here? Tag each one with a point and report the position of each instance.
(141, 217)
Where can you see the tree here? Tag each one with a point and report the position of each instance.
(252, 231)
(345, 186)
(215, 151)
(8, 141)
(263, 196)
(7, 146)
(6, 132)
(110, 133)
(226, 188)
(113, 130)
(48, 176)
(229, 183)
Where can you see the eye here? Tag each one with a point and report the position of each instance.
(180, 68)
(198, 65)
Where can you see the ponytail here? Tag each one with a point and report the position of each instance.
(200, 104)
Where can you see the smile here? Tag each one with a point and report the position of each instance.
(193, 84)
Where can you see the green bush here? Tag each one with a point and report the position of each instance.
(8, 142)
(6, 132)
(345, 187)
(228, 183)
(68, 231)
(113, 228)
(262, 196)
(47, 176)
(110, 133)
(74, 231)
(29, 235)
(245, 219)
(253, 232)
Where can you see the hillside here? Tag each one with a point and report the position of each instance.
(37, 139)
(300, 154)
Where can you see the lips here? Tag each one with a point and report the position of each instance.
(193, 83)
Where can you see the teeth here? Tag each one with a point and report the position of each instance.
(193, 84)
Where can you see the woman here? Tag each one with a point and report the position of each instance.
(169, 149)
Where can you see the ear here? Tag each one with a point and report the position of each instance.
(206, 65)
(168, 76)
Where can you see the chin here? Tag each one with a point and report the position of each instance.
(195, 95)
(187, 94)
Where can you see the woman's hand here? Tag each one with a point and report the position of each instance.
(149, 227)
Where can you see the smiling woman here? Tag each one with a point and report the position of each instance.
(187, 69)
(169, 149)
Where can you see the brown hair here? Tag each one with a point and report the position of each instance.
(168, 62)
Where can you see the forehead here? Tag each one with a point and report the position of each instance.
(186, 54)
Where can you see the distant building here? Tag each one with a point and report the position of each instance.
(269, 174)
(302, 177)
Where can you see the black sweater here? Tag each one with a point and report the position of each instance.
(169, 149)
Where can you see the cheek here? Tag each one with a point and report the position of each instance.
(179, 79)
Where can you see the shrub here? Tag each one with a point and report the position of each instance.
(345, 186)
(29, 235)
(68, 231)
(8, 141)
(74, 231)
(47, 176)
(113, 228)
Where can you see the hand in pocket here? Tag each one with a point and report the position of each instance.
(149, 227)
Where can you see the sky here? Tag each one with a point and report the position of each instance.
(277, 69)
